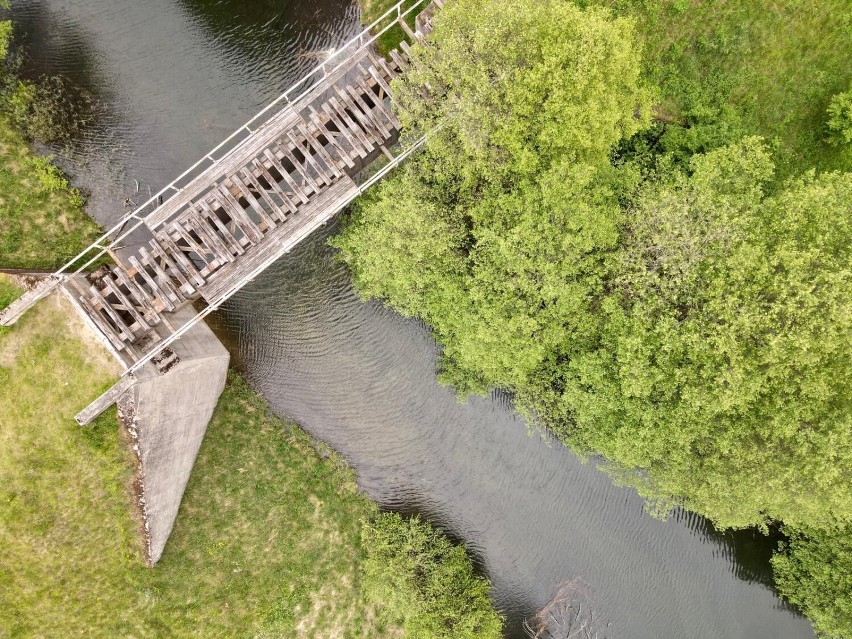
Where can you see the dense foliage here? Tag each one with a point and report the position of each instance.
(424, 582)
(722, 369)
(816, 574)
(663, 296)
(839, 122)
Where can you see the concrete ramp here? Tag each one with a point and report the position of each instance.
(167, 415)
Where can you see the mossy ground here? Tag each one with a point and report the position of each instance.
(267, 542)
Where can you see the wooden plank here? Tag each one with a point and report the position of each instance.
(380, 63)
(263, 196)
(251, 147)
(361, 127)
(225, 234)
(301, 168)
(180, 260)
(333, 138)
(106, 400)
(406, 28)
(275, 162)
(365, 124)
(16, 309)
(108, 331)
(191, 244)
(306, 150)
(384, 87)
(386, 110)
(359, 150)
(406, 50)
(313, 139)
(386, 68)
(100, 303)
(238, 214)
(253, 201)
(322, 208)
(201, 226)
(352, 126)
(161, 293)
(187, 289)
(128, 304)
(152, 314)
(284, 197)
(262, 137)
(369, 112)
(398, 60)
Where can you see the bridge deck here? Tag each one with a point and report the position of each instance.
(290, 176)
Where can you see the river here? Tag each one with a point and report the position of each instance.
(169, 80)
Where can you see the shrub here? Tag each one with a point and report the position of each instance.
(422, 581)
(839, 122)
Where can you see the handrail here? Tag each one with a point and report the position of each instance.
(104, 244)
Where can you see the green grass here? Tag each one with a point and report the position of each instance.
(8, 294)
(767, 67)
(43, 222)
(373, 9)
(267, 542)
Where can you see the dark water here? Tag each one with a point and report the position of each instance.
(170, 79)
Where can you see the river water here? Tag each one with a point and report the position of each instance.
(169, 80)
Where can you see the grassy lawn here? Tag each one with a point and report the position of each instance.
(766, 67)
(267, 542)
(42, 220)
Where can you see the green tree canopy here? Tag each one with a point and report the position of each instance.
(723, 370)
(500, 234)
(692, 329)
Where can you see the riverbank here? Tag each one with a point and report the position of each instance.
(269, 536)
(43, 220)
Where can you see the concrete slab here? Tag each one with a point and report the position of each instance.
(169, 414)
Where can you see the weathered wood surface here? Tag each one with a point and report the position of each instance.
(106, 400)
(13, 312)
(289, 177)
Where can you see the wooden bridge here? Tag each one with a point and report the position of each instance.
(229, 217)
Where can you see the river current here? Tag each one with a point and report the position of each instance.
(169, 79)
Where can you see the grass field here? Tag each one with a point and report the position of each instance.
(42, 220)
(267, 542)
(767, 67)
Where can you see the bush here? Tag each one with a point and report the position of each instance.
(422, 581)
(839, 122)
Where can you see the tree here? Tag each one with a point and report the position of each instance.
(722, 380)
(814, 571)
(422, 581)
(501, 233)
